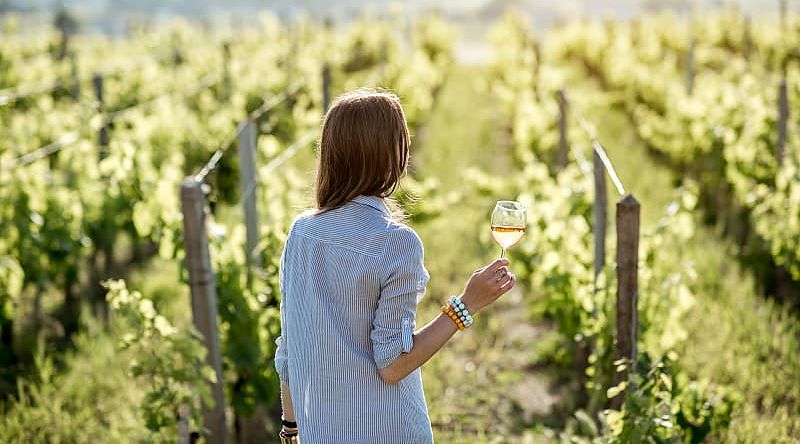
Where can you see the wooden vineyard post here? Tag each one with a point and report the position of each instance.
(747, 38)
(627, 289)
(563, 143)
(204, 298)
(63, 47)
(66, 26)
(102, 135)
(226, 70)
(183, 426)
(177, 56)
(75, 87)
(784, 8)
(537, 65)
(690, 67)
(326, 87)
(783, 119)
(247, 181)
(583, 348)
(326, 74)
(600, 215)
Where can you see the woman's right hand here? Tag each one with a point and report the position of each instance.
(487, 284)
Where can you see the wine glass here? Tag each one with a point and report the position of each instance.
(509, 220)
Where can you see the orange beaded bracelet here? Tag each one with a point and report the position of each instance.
(448, 310)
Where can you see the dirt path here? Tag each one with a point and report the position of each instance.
(486, 383)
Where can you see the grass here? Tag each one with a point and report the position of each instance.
(90, 398)
(737, 338)
(484, 386)
(89, 395)
(747, 343)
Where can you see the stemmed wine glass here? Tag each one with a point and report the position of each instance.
(509, 220)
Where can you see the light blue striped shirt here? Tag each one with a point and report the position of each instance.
(351, 279)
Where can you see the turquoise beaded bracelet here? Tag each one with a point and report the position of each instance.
(461, 310)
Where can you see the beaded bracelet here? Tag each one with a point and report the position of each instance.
(461, 310)
(458, 312)
(448, 310)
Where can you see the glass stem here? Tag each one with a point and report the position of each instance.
(502, 253)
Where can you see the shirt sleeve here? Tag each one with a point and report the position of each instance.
(282, 353)
(404, 285)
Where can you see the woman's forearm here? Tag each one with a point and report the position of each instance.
(286, 403)
(427, 341)
(483, 288)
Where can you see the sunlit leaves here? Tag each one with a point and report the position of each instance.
(726, 132)
(171, 362)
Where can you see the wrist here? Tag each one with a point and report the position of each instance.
(471, 301)
(287, 437)
(458, 312)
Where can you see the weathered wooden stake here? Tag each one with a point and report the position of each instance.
(627, 289)
(783, 120)
(177, 56)
(563, 142)
(326, 87)
(247, 181)
(784, 9)
(65, 24)
(75, 89)
(204, 298)
(600, 215)
(226, 70)
(747, 38)
(102, 136)
(64, 45)
(183, 426)
(97, 82)
(537, 65)
(690, 67)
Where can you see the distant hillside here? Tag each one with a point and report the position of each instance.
(349, 7)
(113, 16)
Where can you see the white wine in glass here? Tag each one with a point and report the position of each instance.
(509, 220)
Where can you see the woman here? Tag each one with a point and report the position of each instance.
(351, 277)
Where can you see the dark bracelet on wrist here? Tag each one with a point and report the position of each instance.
(289, 424)
(289, 438)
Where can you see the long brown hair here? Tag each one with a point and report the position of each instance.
(363, 148)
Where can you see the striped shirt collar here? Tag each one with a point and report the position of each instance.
(374, 202)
